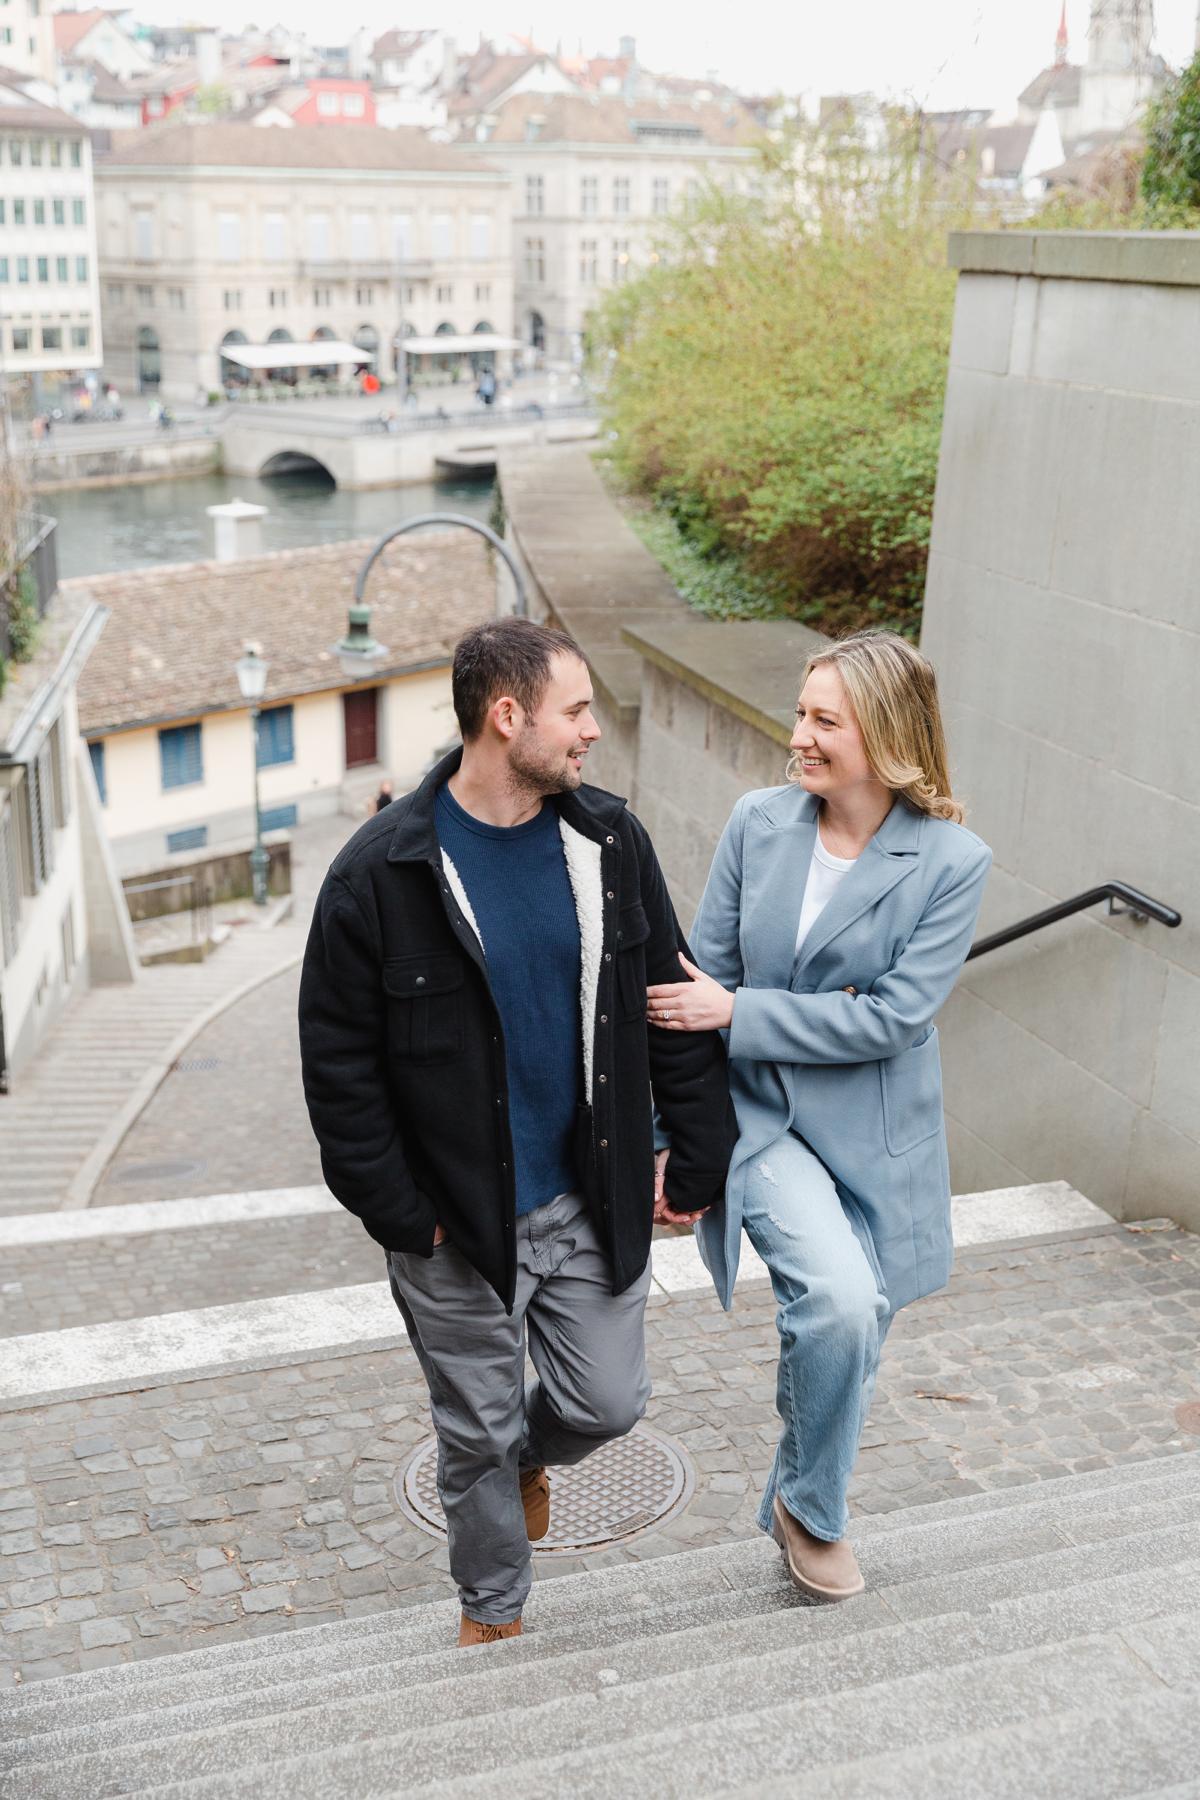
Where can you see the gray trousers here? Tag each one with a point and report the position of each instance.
(588, 1349)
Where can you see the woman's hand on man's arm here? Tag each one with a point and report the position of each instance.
(698, 1004)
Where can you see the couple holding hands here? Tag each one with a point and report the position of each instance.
(514, 1065)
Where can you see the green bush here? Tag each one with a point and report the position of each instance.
(1171, 169)
(21, 599)
(775, 380)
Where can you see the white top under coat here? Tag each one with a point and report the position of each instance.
(825, 871)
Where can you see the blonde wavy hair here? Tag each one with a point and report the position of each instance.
(892, 690)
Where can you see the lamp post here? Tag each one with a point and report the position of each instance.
(358, 652)
(251, 669)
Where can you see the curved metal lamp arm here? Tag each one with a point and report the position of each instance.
(445, 518)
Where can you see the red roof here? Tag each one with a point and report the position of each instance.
(70, 28)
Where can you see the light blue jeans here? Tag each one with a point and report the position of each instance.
(833, 1317)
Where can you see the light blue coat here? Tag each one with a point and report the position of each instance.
(839, 1043)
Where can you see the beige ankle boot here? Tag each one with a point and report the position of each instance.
(826, 1571)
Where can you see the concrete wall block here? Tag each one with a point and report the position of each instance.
(1024, 326)
(990, 774)
(983, 323)
(1163, 1179)
(995, 505)
(680, 709)
(1033, 1105)
(975, 1167)
(757, 760)
(1176, 1088)
(1119, 336)
(1127, 533)
(1093, 995)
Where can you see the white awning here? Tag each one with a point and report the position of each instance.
(450, 345)
(295, 356)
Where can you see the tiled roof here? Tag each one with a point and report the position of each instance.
(1009, 145)
(175, 631)
(609, 119)
(1056, 86)
(237, 145)
(398, 46)
(15, 116)
(70, 28)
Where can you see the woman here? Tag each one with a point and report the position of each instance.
(838, 912)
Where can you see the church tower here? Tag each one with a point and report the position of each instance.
(1120, 33)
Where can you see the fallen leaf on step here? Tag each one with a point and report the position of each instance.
(932, 1394)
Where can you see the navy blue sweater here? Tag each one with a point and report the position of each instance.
(516, 880)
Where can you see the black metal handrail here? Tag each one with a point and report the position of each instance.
(1137, 906)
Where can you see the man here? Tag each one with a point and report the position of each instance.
(480, 1078)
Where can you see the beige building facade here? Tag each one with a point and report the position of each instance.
(595, 183)
(229, 235)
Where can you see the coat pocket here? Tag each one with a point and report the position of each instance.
(424, 1006)
(633, 928)
(912, 1095)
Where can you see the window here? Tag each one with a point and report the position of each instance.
(229, 237)
(483, 291)
(180, 756)
(588, 261)
(364, 296)
(481, 237)
(443, 234)
(276, 740)
(18, 212)
(145, 295)
(10, 890)
(620, 259)
(59, 210)
(143, 234)
(81, 337)
(535, 194)
(232, 299)
(620, 194)
(354, 106)
(535, 259)
(38, 797)
(61, 267)
(318, 237)
(22, 337)
(39, 212)
(274, 235)
(327, 105)
(175, 299)
(660, 195)
(96, 752)
(35, 153)
(81, 268)
(78, 212)
(16, 149)
(116, 293)
(22, 269)
(445, 296)
(3, 271)
(362, 236)
(56, 153)
(589, 196)
(402, 236)
(3, 210)
(77, 155)
(194, 838)
(43, 268)
(51, 337)
(322, 296)
(277, 818)
(691, 192)
(277, 299)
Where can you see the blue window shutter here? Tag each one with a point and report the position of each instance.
(181, 756)
(96, 752)
(276, 737)
(194, 838)
(278, 818)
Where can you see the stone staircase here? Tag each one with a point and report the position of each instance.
(1042, 1640)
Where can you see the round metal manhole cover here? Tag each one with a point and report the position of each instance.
(622, 1489)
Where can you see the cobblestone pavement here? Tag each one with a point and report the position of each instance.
(232, 1119)
(105, 1043)
(137, 1524)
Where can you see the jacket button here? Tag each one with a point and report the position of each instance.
(608, 953)
(499, 1100)
(604, 1143)
(603, 1079)
(420, 981)
(610, 895)
(604, 1018)
(609, 840)
(849, 990)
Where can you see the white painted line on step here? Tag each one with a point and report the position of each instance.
(163, 1215)
(1018, 1212)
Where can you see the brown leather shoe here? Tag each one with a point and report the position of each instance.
(826, 1571)
(535, 1498)
(471, 1631)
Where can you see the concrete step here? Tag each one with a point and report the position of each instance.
(814, 1650)
(616, 1743)
(913, 1548)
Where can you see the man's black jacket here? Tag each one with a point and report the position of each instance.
(403, 1051)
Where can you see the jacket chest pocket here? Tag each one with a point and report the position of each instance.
(633, 928)
(424, 1006)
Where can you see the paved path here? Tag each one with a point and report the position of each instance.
(111, 1046)
(141, 1523)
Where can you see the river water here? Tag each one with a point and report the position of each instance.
(105, 529)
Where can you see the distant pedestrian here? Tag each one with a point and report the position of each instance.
(384, 796)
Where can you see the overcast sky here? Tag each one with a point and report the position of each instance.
(941, 52)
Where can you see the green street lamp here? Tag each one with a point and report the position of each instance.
(251, 669)
(358, 652)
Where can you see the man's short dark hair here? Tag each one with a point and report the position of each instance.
(504, 656)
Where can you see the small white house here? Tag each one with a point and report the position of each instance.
(170, 736)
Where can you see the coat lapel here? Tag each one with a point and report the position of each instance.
(887, 859)
(776, 872)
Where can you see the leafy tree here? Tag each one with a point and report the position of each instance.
(1171, 170)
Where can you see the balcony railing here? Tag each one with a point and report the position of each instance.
(38, 556)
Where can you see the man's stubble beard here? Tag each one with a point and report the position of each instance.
(535, 773)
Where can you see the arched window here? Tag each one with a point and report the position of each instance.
(233, 374)
(483, 359)
(321, 370)
(445, 364)
(281, 335)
